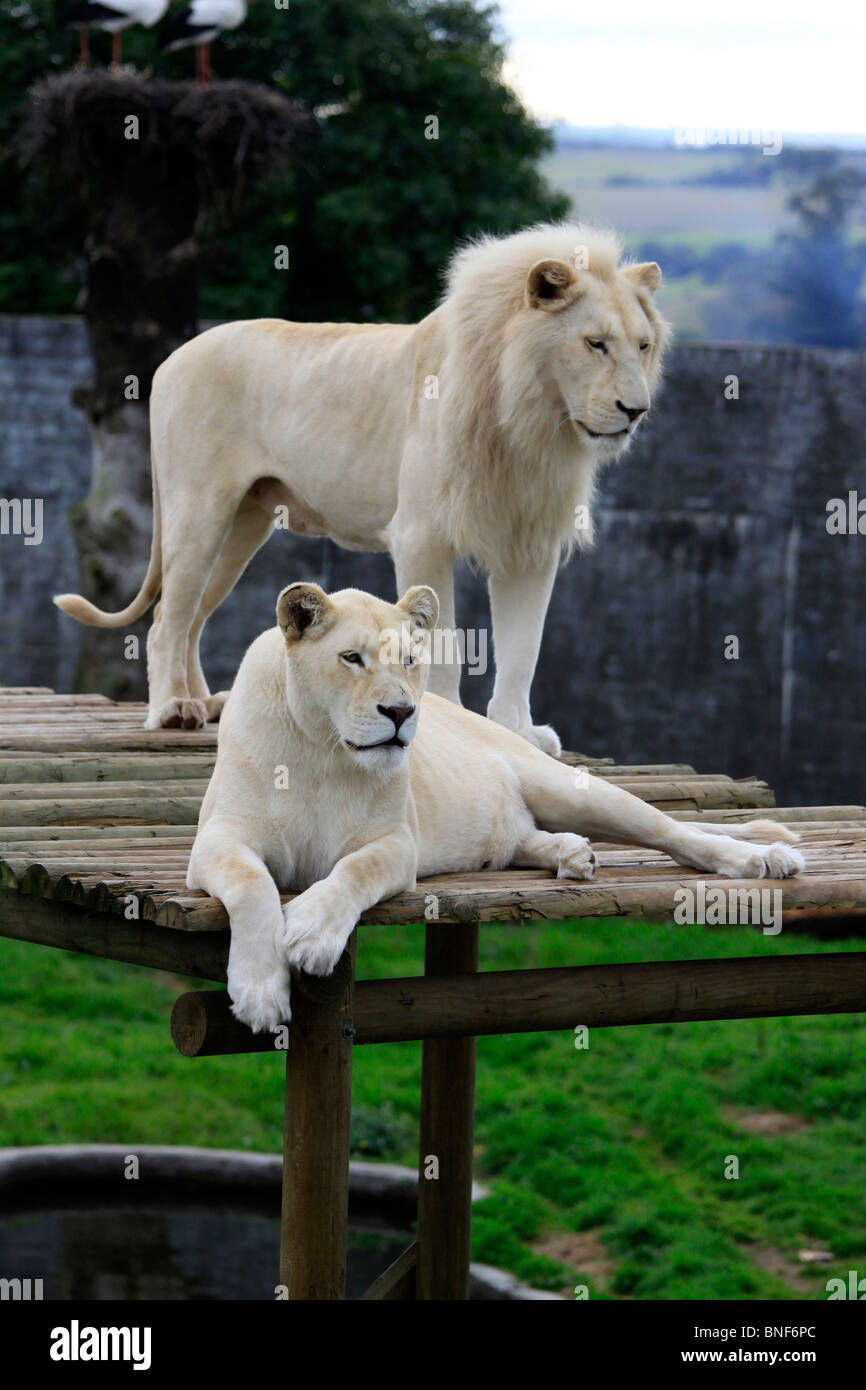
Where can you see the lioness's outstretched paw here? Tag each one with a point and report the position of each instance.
(316, 932)
(263, 1001)
(767, 861)
(177, 713)
(781, 861)
(577, 858)
(214, 705)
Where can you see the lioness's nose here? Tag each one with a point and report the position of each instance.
(633, 412)
(399, 713)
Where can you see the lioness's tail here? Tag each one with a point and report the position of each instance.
(763, 831)
(86, 612)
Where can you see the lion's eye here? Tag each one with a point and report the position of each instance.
(352, 658)
(645, 347)
(596, 344)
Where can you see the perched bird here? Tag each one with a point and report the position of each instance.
(113, 15)
(198, 24)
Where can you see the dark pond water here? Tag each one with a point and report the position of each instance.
(169, 1250)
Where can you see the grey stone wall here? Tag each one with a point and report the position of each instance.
(713, 526)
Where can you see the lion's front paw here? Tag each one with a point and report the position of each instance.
(577, 858)
(539, 735)
(177, 714)
(214, 705)
(543, 737)
(260, 998)
(318, 925)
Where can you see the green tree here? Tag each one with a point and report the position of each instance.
(371, 220)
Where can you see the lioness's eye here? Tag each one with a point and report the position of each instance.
(644, 347)
(597, 344)
(352, 658)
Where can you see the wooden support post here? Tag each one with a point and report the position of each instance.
(447, 1132)
(316, 1145)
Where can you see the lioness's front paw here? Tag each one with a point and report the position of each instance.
(317, 929)
(177, 714)
(260, 998)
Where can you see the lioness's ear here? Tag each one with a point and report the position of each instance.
(551, 285)
(301, 607)
(422, 604)
(646, 276)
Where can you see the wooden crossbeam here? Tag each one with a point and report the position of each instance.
(397, 1281)
(529, 1001)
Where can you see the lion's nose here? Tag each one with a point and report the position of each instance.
(399, 713)
(633, 412)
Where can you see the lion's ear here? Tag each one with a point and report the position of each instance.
(422, 604)
(551, 285)
(300, 608)
(646, 276)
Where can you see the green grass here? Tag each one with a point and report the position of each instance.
(626, 1140)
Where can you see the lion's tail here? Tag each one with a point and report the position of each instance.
(762, 830)
(86, 612)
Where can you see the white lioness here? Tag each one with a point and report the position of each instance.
(477, 432)
(382, 786)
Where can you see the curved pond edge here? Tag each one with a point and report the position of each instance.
(392, 1188)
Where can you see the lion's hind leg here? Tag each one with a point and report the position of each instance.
(250, 529)
(568, 855)
(560, 798)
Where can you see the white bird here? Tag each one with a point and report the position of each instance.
(113, 15)
(198, 24)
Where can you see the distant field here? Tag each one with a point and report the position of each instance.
(650, 196)
(664, 206)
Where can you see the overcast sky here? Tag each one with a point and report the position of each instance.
(774, 64)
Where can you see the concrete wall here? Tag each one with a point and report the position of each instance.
(713, 526)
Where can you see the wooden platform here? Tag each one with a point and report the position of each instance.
(97, 818)
(97, 814)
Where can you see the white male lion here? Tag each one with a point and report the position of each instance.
(334, 780)
(477, 432)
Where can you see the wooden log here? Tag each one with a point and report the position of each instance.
(179, 810)
(105, 769)
(316, 1145)
(95, 791)
(71, 928)
(528, 1001)
(109, 741)
(397, 1281)
(80, 834)
(785, 814)
(447, 1130)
